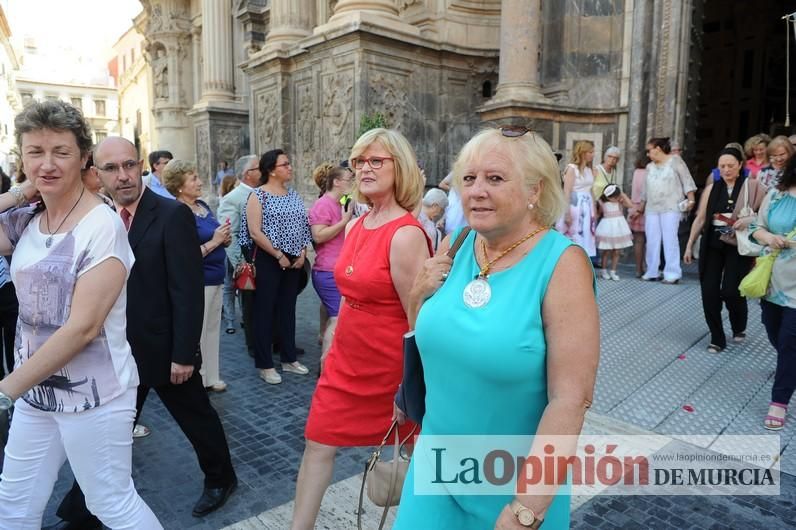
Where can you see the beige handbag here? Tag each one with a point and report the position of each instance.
(745, 245)
(384, 480)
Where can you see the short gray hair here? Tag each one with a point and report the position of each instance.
(54, 115)
(241, 163)
(435, 196)
(613, 151)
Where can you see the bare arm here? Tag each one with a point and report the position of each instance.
(323, 233)
(569, 182)
(698, 224)
(573, 353)
(95, 293)
(427, 281)
(408, 251)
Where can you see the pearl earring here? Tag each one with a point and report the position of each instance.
(530, 206)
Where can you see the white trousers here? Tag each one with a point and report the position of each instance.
(98, 443)
(211, 326)
(662, 227)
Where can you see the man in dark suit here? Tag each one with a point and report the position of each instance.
(165, 299)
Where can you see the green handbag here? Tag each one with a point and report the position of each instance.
(755, 284)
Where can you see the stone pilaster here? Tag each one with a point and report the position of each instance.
(381, 7)
(217, 78)
(381, 16)
(291, 21)
(520, 43)
(169, 54)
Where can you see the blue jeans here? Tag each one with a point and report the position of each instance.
(780, 323)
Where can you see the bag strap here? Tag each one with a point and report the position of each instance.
(398, 445)
(458, 242)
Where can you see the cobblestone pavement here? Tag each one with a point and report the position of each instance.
(653, 365)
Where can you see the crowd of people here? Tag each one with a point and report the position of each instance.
(145, 273)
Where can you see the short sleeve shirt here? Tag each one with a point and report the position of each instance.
(666, 185)
(326, 211)
(45, 280)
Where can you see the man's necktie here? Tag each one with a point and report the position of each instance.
(126, 218)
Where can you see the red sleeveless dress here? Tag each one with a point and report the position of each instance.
(353, 402)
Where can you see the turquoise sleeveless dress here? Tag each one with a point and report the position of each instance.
(485, 374)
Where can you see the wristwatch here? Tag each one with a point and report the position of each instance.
(525, 515)
(5, 402)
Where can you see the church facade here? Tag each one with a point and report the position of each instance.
(230, 77)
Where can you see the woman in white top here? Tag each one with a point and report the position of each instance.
(580, 218)
(668, 193)
(75, 379)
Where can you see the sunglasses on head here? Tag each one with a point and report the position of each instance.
(514, 131)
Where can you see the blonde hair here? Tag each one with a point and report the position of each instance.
(579, 151)
(408, 186)
(325, 174)
(173, 175)
(780, 141)
(753, 142)
(228, 183)
(533, 159)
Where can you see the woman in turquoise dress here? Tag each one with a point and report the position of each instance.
(508, 332)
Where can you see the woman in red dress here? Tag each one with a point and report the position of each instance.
(382, 254)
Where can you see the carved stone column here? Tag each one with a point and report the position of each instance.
(382, 7)
(520, 43)
(291, 20)
(217, 78)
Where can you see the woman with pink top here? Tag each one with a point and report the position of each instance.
(635, 219)
(328, 219)
(755, 150)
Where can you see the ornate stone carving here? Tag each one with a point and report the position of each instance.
(267, 119)
(160, 72)
(227, 142)
(338, 97)
(203, 153)
(388, 95)
(306, 147)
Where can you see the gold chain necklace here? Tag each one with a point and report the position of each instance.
(477, 293)
(485, 269)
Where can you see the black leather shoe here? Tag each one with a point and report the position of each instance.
(213, 498)
(87, 524)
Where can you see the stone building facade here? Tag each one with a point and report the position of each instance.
(237, 76)
(10, 102)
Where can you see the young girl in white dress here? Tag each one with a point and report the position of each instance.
(613, 232)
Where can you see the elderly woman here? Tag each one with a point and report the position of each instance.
(383, 252)
(606, 172)
(668, 193)
(511, 294)
(75, 378)
(180, 179)
(755, 149)
(776, 229)
(275, 229)
(435, 201)
(721, 268)
(328, 219)
(580, 217)
(780, 151)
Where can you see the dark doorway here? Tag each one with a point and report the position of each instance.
(741, 75)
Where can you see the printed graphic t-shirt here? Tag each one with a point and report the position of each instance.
(45, 280)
